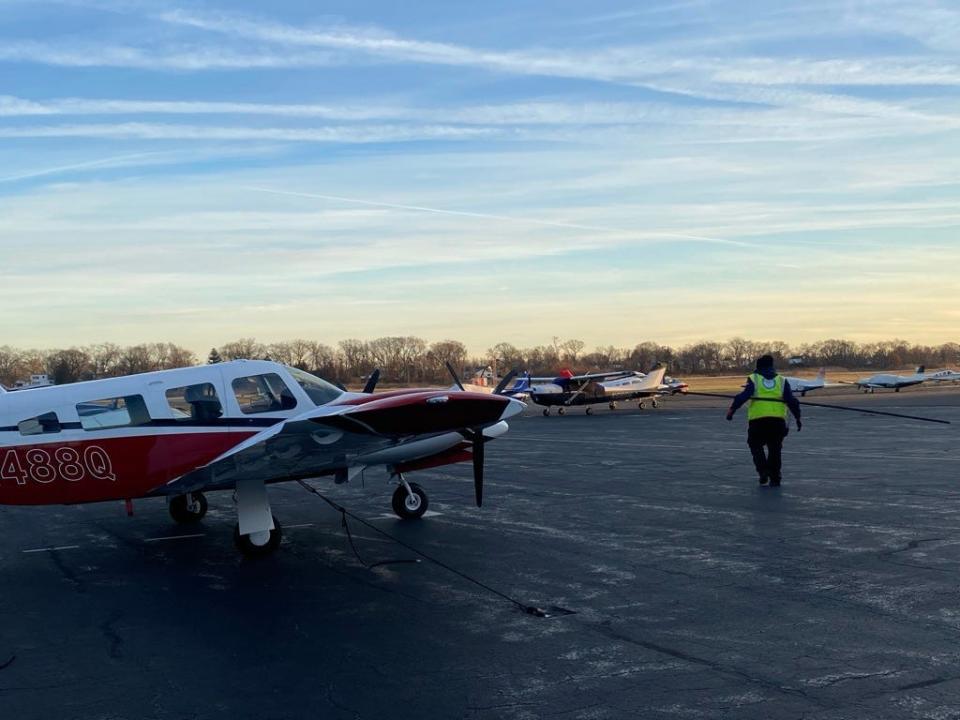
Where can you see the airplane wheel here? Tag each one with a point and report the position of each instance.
(184, 511)
(561, 411)
(589, 411)
(260, 546)
(655, 404)
(896, 389)
(407, 506)
(641, 405)
(546, 412)
(613, 406)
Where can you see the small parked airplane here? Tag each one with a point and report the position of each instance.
(804, 385)
(889, 381)
(943, 376)
(569, 390)
(237, 426)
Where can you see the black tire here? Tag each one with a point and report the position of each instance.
(404, 509)
(589, 411)
(654, 404)
(613, 406)
(641, 405)
(248, 548)
(560, 411)
(546, 412)
(181, 511)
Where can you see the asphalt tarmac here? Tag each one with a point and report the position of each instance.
(696, 593)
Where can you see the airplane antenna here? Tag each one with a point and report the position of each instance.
(372, 381)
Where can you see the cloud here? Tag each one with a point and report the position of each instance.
(184, 58)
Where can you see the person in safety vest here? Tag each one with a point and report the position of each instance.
(770, 398)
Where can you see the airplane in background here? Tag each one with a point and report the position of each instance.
(569, 390)
(804, 385)
(889, 381)
(237, 426)
(943, 376)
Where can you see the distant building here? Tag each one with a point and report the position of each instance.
(35, 381)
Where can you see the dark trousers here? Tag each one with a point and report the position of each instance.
(765, 438)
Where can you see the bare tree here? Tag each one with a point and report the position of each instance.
(69, 366)
(243, 349)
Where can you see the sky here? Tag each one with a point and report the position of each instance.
(616, 172)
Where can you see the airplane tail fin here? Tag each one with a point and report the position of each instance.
(654, 378)
(921, 369)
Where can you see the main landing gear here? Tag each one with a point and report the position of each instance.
(410, 501)
(189, 508)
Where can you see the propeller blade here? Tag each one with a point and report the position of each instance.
(453, 373)
(372, 381)
(502, 385)
(478, 443)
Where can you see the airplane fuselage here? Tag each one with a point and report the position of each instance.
(129, 437)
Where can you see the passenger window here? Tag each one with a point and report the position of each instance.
(40, 425)
(128, 411)
(195, 402)
(263, 393)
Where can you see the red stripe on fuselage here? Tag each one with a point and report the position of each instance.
(104, 468)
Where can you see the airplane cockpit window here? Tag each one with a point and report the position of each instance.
(127, 411)
(317, 389)
(263, 393)
(40, 425)
(198, 403)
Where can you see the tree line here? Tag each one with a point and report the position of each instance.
(407, 359)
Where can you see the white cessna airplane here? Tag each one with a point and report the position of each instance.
(236, 426)
(943, 376)
(802, 386)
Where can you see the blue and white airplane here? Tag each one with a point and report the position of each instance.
(569, 390)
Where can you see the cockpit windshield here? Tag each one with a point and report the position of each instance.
(319, 390)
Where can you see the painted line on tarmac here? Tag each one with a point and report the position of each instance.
(51, 549)
(174, 537)
(294, 527)
(682, 446)
(428, 513)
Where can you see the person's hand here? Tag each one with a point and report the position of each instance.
(730, 414)
(799, 426)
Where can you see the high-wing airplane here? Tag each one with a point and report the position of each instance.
(594, 388)
(943, 376)
(802, 386)
(237, 426)
(889, 381)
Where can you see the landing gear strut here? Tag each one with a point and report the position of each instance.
(189, 508)
(258, 532)
(410, 501)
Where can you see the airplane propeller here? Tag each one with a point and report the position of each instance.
(475, 435)
(372, 381)
(453, 374)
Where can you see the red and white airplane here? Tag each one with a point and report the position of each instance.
(237, 426)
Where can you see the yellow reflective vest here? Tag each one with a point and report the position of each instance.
(767, 400)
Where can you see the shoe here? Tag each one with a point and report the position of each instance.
(775, 482)
(763, 480)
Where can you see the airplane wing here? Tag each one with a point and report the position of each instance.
(333, 437)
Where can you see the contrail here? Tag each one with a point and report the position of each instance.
(79, 166)
(489, 216)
